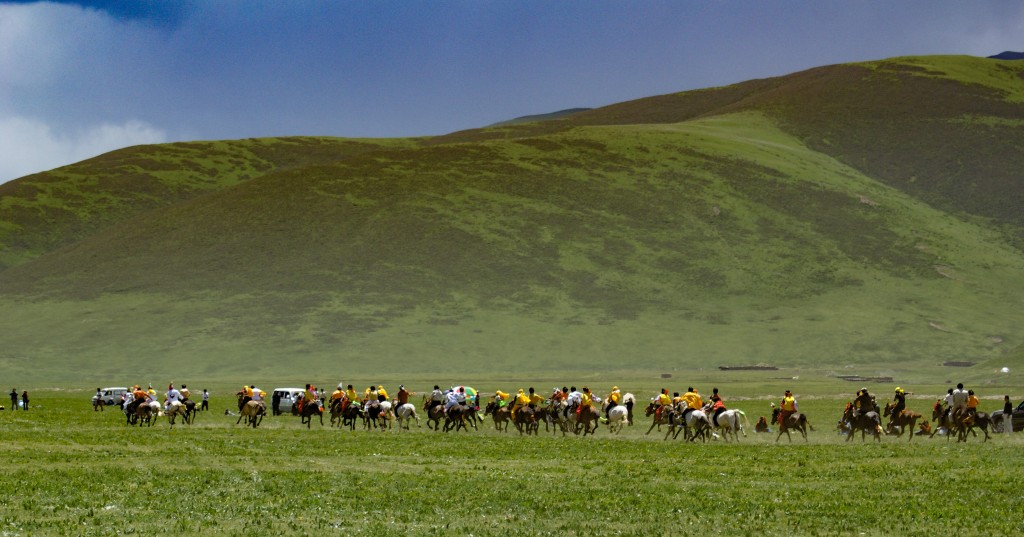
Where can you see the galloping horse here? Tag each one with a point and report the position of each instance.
(351, 413)
(617, 417)
(729, 422)
(174, 411)
(525, 420)
(795, 420)
(906, 421)
(501, 415)
(659, 418)
(253, 412)
(405, 413)
(456, 418)
(146, 413)
(435, 411)
(310, 409)
(586, 420)
(696, 420)
(864, 422)
(336, 412)
(965, 424)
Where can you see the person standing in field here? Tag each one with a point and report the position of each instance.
(1007, 415)
(24, 400)
(206, 400)
(14, 398)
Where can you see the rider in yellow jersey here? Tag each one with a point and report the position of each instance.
(788, 406)
(586, 399)
(536, 399)
(521, 400)
(381, 392)
(692, 400)
(614, 399)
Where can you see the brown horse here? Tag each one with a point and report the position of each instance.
(177, 410)
(525, 420)
(906, 421)
(456, 418)
(864, 422)
(336, 413)
(659, 418)
(253, 412)
(144, 413)
(795, 420)
(587, 419)
(435, 411)
(502, 415)
(310, 409)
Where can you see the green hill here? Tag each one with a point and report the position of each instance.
(862, 217)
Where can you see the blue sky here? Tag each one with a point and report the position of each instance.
(81, 78)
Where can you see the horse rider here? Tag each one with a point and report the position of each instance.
(692, 400)
(138, 397)
(259, 396)
(436, 396)
(573, 399)
(864, 402)
(521, 400)
(338, 397)
(717, 406)
(559, 395)
(185, 393)
(663, 400)
(452, 399)
(350, 397)
(787, 407)
(308, 396)
(173, 397)
(536, 399)
(972, 403)
(901, 402)
(614, 398)
(501, 398)
(402, 395)
(959, 401)
(382, 394)
(586, 399)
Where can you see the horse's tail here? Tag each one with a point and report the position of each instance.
(807, 422)
(742, 419)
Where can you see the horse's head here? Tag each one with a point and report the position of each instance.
(651, 408)
(775, 415)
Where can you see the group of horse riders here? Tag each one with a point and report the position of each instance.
(174, 401)
(688, 402)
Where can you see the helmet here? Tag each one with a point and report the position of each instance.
(899, 390)
(615, 388)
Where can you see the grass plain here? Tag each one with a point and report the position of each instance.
(72, 471)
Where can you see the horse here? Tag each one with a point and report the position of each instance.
(659, 418)
(191, 409)
(174, 410)
(455, 418)
(386, 416)
(681, 421)
(435, 411)
(525, 420)
(864, 422)
(336, 412)
(965, 424)
(406, 412)
(253, 412)
(310, 409)
(586, 419)
(730, 422)
(796, 420)
(500, 414)
(906, 420)
(617, 417)
(629, 401)
(371, 414)
(146, 413)
(352, 412)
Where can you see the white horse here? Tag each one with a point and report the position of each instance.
(696, 423)
(730, 422)
(406, 412)
(386, 414)
(619, 416)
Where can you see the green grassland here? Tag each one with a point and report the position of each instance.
(73, 471)
(853, 219)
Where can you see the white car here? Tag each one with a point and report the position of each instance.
(111, 396)
(289, 397)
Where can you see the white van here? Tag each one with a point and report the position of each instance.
(289, 398)
(111, 396)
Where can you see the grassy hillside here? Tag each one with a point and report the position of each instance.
(674, 234)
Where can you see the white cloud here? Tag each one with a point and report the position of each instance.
(29, 146)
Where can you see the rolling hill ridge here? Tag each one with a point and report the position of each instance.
(867, 215)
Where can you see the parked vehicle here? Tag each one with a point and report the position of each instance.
(111, 396)
(289, 397)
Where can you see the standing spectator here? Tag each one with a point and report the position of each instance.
(24, 400)
(206, 400)
(14, 399)
(1007, 415)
